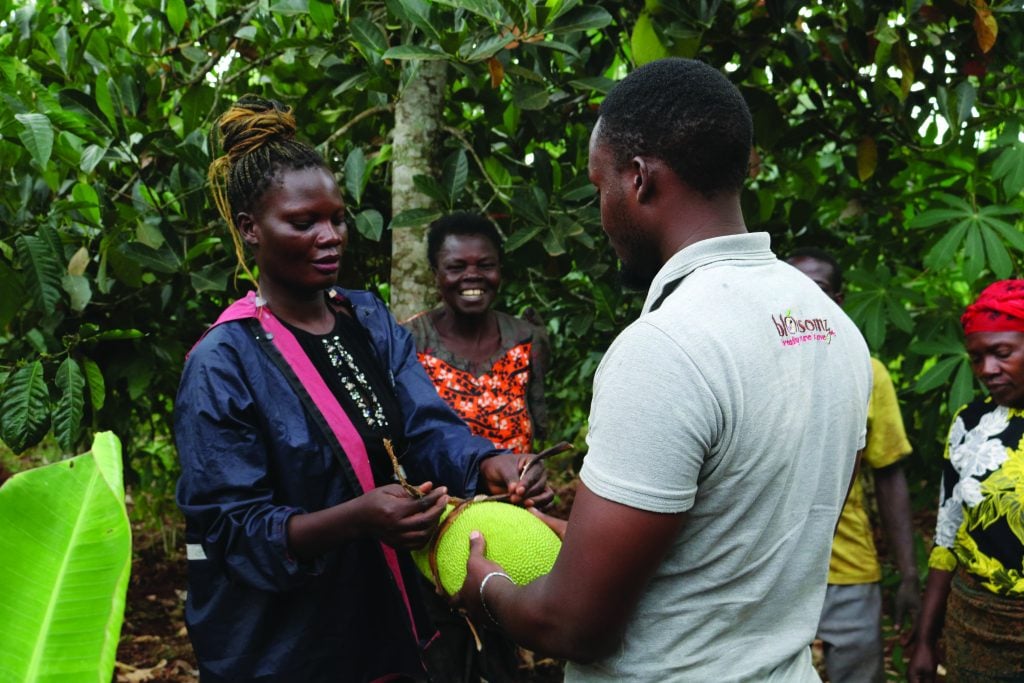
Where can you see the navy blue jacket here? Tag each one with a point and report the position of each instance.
(252, 455)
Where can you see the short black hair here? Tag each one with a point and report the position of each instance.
(460, 223)
(836, 281)
(686, 113)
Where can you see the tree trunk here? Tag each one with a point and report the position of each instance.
(417, 122)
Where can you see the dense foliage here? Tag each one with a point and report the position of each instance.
(888, 133)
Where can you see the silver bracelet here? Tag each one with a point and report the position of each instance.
(483, 603)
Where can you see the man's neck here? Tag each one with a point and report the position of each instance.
(699, 221)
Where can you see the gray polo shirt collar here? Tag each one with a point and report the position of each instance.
(751, 246)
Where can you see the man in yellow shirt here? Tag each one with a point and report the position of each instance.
(850, 625)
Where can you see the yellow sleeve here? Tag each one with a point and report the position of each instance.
(887, 441)
(942, 558)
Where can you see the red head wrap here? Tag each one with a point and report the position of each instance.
(999, 308)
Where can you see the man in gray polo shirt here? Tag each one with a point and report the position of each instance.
(698, 544)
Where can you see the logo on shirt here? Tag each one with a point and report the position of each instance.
(794, 331)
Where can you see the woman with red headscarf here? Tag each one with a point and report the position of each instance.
(975, 589)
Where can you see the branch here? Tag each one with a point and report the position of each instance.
(353, 121)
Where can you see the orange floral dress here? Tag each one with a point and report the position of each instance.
(497, 398)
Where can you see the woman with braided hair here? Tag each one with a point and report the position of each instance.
(975, 589)
(296, 412)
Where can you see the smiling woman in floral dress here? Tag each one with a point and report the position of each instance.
(975, 584)
(488, 366)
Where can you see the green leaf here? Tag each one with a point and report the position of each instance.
(453, 178)
(521, 237)
(431, 188)
(581, 193)
(965, 97)
(370, 224)
(67, 415)
(368, 36)
(12, 300)
(559, 46)
(531, 205)
(531, 97)
(111, 335)
(60, 46)
(490, 10)
(91, 157)
(24, 408)
(78, 289)
(148, 232)
(898, 315)
(88, 203)
(103, 99)
(598, 83)
(581, 19)
(945, 250)
(94, 380)
(196, 54)
(67, 557)
(962, 390)
(644, 42)
(414, 52)
(322, 14)
(937, 375)
(418, 14)
(932, 217)
(212, 278)
(475, 51)
(162, 260)
(873, 321)
(290, 8)
(176, 15)
(413, 218)
(1009, 168)
(355, 171)
(9, 69)
(1008, 233)
(938, 347)
(553, 243)
(37, 136)
(995, 253)
(955, 202)
(41, 271)
(974, 253)
(998, 210)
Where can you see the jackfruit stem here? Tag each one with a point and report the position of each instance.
(415, 492)
(412, 490)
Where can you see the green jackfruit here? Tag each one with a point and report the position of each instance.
(518, 541)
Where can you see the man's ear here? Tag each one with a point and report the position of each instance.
(247, 228)
(642, 180)
(839, 298)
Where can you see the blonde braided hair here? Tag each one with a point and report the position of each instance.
(258, 139)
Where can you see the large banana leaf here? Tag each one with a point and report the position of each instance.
(65, 544)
